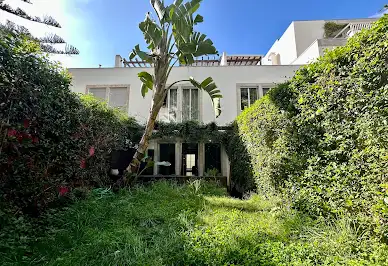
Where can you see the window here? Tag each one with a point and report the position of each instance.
(172, 104)
(248, 97)
(190, 104)
(190, 163)
(265, 90)
(249, 94)
(115, 96)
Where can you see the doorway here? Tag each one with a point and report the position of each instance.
(212, 157)
(190, 159)
(167, 154)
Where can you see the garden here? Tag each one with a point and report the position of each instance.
(309, 159)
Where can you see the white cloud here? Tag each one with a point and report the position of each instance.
(71, 17)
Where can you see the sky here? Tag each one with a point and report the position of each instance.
(100, 29)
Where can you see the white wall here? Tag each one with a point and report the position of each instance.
(226, 78)
(285, 46)
(317, 49)
(306, 32)
(311, 53)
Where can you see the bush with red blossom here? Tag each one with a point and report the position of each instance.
(50, 137)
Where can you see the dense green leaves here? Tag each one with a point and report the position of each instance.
(147, 82)
(51, 138)
(322, 138)
(152, 32)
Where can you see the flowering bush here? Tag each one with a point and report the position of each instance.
(52, 140)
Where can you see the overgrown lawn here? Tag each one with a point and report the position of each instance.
(193, 224)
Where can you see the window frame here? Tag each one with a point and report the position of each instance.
(108, 88)
(259, 90)
(190, 88)
(168, 105)
(179, 111)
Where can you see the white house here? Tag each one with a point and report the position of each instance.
(241, 79)
(305, 41)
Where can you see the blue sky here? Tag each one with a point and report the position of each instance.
(107, 28)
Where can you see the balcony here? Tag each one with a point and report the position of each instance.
(352, 28)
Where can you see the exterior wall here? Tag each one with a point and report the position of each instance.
(306, 33)
(226, 78)
(317, 49)
(285, 46)
(311, 53)
(329, 44)
(300, 36)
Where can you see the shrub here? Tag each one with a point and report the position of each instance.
(241, 173)
(51, 139)
(323, 137)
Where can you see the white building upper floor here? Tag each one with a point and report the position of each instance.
(240, 86)
(305, 41)
(241, 79)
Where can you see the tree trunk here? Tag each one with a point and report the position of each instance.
(143, 144)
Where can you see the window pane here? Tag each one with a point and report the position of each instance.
(244, 98)
(265, 90)
(118, 98)
(173, 104)
(98, 93)
(186, 105)
(252, 95)
(194, 104)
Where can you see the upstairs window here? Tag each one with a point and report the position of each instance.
(190, 104)
(115, 96)
(248, 97)
(171, 103)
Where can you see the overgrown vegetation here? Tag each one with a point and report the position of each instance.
(51, 139)
(322, 138)
(331, 29)
(172, 38)
(193, 224)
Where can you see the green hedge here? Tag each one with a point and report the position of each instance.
(322, 138)
(52, 140)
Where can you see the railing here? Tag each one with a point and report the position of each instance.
(353, 28)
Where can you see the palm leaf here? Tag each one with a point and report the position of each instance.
(210, 87)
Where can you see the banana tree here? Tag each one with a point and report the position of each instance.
(171, 39)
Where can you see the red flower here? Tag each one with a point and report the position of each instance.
(12, 133)
(63, 191)
(20, 137)
(91, 151)
(23, 136)
(26, 123)
(35, 139)
(83, 164)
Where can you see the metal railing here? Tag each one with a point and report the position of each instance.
(353, 28)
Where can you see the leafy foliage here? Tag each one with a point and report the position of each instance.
(171, 39)
(332, 29)
(322, 138)
(51, 139)
(191, 224)
(46, 42)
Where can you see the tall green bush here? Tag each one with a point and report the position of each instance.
(322, 138)
(51, 139)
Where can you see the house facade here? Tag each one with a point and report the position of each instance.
(241, 79)
(305, 41)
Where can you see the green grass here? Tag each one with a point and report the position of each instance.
(193, 224)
